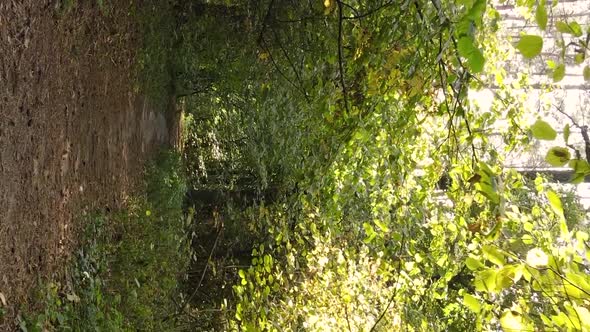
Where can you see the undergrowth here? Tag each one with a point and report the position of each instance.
(156, 21)
(127, 271)
(66, 6)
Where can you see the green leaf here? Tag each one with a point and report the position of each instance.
(471, 302)
(557, 156)
(476, 12)
(541, 15)
(494, 255)
(580, 166)
(559, 72)
(566, 133)
(473, 264)
(506, 277)
(485, 281)
(370, 231)
(579, 58)
(488, 191)
(555, 202)
(572, 28)
(382, 226)
(587, 73)
(527, 239)
(530, 46)
(512, 321)
(543, 130)
(581, 170)
(474, 56)
(563, 27)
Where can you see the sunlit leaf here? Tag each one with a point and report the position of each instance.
(530, 46)
(370, 231)
(584, 315)
(566, 132)
(512, 321)
(572, 28)
(558, 73)
(485, 281)
(505, 277)
(587, 73)
(543, 130)
(581, 170)
(555, 202)
(471, 302)
(473, 263)
(488, 191)
(558, 156)
(494, 255)
(474, 56)
(541, 15)
(382, 226)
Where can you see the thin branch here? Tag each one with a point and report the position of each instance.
(392, 298)
(205, 268)
(340, 57)
(370, 12)
(583, 132)
(278, 68)
(573, 121)
(297, 76)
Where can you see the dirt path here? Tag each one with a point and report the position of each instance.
(73, 134)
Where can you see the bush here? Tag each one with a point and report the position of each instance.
(126, 274)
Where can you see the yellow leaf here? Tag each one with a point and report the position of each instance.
(512, 321)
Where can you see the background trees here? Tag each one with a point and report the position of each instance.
(338, 120)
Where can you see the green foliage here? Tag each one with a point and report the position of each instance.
(351, 120)
(127, 272)
(543, 130)
(530, 45)
(156, 22)
(572, 28)
(474, 56)
(559, 72)
(558, 156)
(541, 15)
(150, 253)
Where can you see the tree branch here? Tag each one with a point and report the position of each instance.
(392, 298)
(340, 57)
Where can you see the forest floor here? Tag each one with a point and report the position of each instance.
(74, 133)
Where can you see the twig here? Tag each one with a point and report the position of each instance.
(205, 268)
(340, 58)
(297, 76)
(370, 12)
(583, 132)
(392, 298)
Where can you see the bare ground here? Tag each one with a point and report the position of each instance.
(73, 133)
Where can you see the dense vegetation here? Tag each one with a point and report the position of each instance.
(340, 177)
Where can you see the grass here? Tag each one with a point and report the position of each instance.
(65, 6)
(128, 269)
(156, 21)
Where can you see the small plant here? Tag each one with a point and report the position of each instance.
(126, 273)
